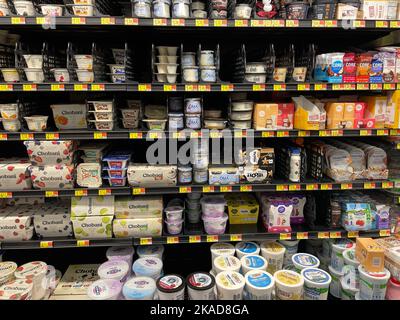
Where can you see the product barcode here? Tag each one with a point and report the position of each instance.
(376, 261)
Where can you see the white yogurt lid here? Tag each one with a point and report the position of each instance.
(113, 269)
(374, 275)
(16, 290)
(31, 270)
(259, 279)
(200, 281)
(230, 280)
(147, 266)
(150, 251)
(253, 262)
(316, 276)
(7, 268)
(288, 278)
(104, 289)
(247, 247)
(305, 260)
(120, 253)
(139, 287)
(227, 262)
(170, 283)
(272, 247)
(222, 249)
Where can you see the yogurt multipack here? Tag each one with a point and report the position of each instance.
(53, 220)
(52, 177)
(16, 223)
(14, 174)
(138, 227)
(138, 207)
(50, 152)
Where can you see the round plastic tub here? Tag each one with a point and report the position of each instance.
(115, 270)
(335, 288)
(148, 267)
(349, 257)
(171, 287)
(105, 289)
(288, 285)
(226, 263)
(174, 213)
(291, 249)
(7, 269)
(174, 226)
(139, 288)
(215, 225)
(36, 272)
(316, 284)
(337, 261)
(304, 260)
(156, 251)
(253, 262)
(201, 286)
(20, 289)
(373, 285)
(230, 285)
(213, 206)
(273, 252)
(259, 285)
(348, 292)
(246, 248)
(221, 249)
(121, 253)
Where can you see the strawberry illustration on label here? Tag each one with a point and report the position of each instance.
(10, 168)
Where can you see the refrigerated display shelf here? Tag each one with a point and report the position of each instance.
(202, 238)
(272, 187)
(199, 87)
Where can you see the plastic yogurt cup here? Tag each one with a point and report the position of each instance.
(7, 269)
(226, 263)
(221, 249)
(337, 261)
(273, 252)
(316, 284)
(230, 285)
(291, 249)
(349, 257)
(349, 289)
(171, 287)
(213, 206)
(115, 270)
(156, 251)
(247, 248)
(253, 262)
(304, 260)
(20, 289)
(288, 285)
(139, 288)
(35, 271)
(105, 289)
(215, 225)
(373, 285)
(259, 285)
(121, 253)
(336, 287)
(174, 213)
(201, 286)
(148, 267)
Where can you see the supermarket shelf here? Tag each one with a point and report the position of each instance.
(272, 187)
(107, 21)
(200, 87)
(184, 134)
(203, 238)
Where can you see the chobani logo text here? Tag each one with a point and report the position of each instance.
(51, 178)
(7, 176)
(91, 225)
(48, 153)
(66, 113)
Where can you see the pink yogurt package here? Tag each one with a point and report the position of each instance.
(277, 216)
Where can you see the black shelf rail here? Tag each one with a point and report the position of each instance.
(192, 239)
(110, 21)
(124, 134)
(198, 87)
(272, 187)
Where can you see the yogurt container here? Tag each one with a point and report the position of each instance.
(349, 257)
(247, 248)
(174, 227)
(335, 288)
(115, 270)
(291, 249)
(174, 213)
(215, 225)
(226, 263)
(373, 285)
(105, 289)
(7, 269)
(230, 285)
(156, 251)
(305, 260)
(20, 289)
(288, 285)
(36, 272)
(273, 252)
(148, 267)
(316, 284)
(139, 288)
(337, 261)
(121, 253)
(221, 249)
(213, 206)
(253, 262)
(171, 287)
(201, 286)
(259, 285)
(349, 283)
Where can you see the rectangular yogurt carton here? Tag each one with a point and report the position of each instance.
(138, 207)
(14, 174)
(53, 220)
(92, 227)
(138, 227)
(16, 223)
(52, 177)
(50, 152)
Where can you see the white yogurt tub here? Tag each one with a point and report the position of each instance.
(84, 62)
(291, 249)
(61, 75)
(148, 267)
(348, 291)
(139, 288)
(155, 251)
(259, 285)
(36, 272)
(34, 61)
(253, 262)
(316, 284)
(349, 257)
(230, 285)
(221, 249)
(11, 125)
(173, 213)
(171, 287)
(226, 263)
(247, 248)
(7, 269)
(115, 270)
(373, 285)
(335, 288)
(37, 123)
(121, 253)
(213, 206)
(20, 289)
(273, 252)
(201, 286)
(337, 261)
(10, 74)
(105, 289)
(304, 260)
(85, 75)
(53, 10)
(288, 285)
(24, 8)
(34, 75)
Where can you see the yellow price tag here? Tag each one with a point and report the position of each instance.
(292, 23)
(330, 23)
(246, 188)
(51, 194)
(159, 22)
(318, 23)
(204, 87)
(324, 133)
(6, 87)
(81, 87)
(178, 135)
(195, 134)
(346, 186)
(3, 136)
(395, 24)
(46, 244)
(201, 23)
(100, 135)
(326, 186)
(278, 23)
(335, 234)
(382, 132)
(323, 235)
(208, 189)
(81, 193)
(78, 20)
(384, 233)
(304, 133)
(381, 24)
(387, 185)
(282, 187)
(282, 134)
(6, 195)
(258, 23)
(302, 235)
(107, 20)
(40, 20)
(18, 20)
(98, 87)
(352, 234)
(104, 192)
(26, 136)
(236, 237)
(258, 87)
(52, 136)
(294, 187)
(241, 23)
(144, 87)
(337, 133)
(131, 21)
(359, 24)
(320, 87)
(194, 239)
(303, 87)
(155, 135)
(191, 87)
(138, 191)
(394, 132)
(29, 87)
(215, 134)
(311, 187)
(268, 134)
(375, 86)
(369, 185)
(285, 236)
(365, 132)
(225, 189)
(57, 87)
(172, 240)
(362, 86)
(145, 241)
(389, 86)
(83, 243)
(212, 238)
(220, 23)
(169, 87)
(279, 87)
(227, 87)
(185, 189)
(136, 135)
(178, 22)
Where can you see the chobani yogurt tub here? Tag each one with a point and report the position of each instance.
(253, 262)
(114, 269)
(121, 253)
(139, 288)
(230, 285)
(288, 285)
(316, 284)
(201, 286)
(171, 287)
(304, 260)
(148, 267)
(156, 251)
(20, 289)
(35, 271)
(259, 285)
(246, 248)
(7, 269)
(226, 263)
(221, 249)
(105, 289)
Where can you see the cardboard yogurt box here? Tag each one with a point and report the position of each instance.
(136, 207)
(14, 174)
(53, 221)
(16, 223)
(52, 177)
(50, 152)
(138, 227)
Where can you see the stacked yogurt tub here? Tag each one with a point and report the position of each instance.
(84, 71)
(198, 9)
(161, 8)
(174, 216)
(34, 71)
(131, 114)
(256, 72)
(206, 71)
(83, 8)
(103, 113)
(116, 168)
(241, 114)
(167, 66)
(117, 70)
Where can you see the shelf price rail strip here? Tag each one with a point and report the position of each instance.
(178, 239)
